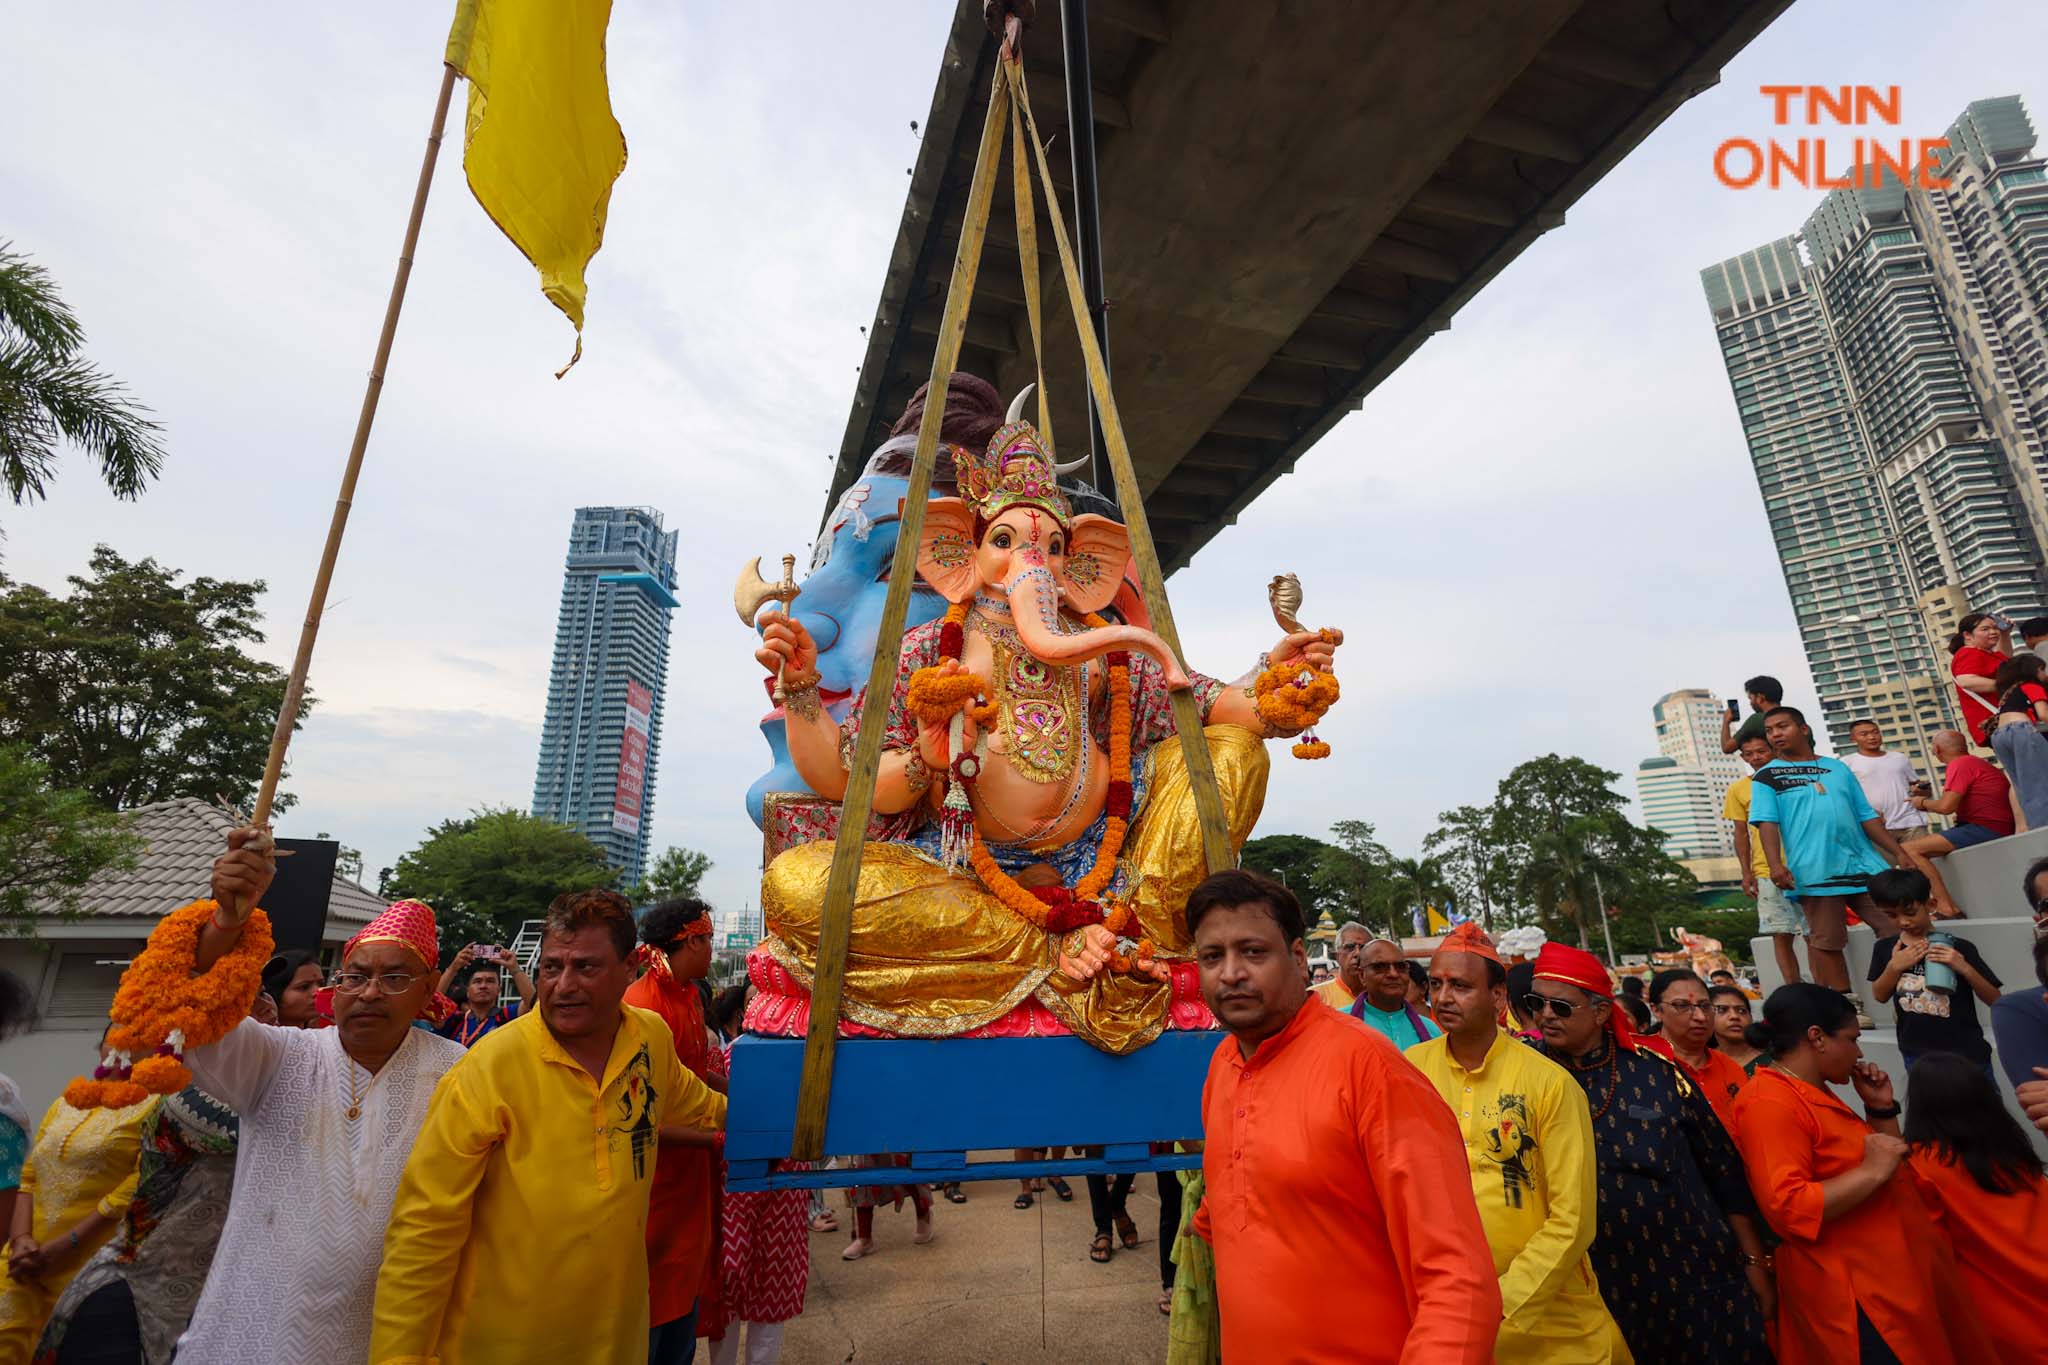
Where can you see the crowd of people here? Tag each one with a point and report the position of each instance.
(1701, 1194)
(1512, 1159)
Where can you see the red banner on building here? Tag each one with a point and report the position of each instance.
(630, 788)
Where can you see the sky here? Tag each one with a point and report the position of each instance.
(1544, 521)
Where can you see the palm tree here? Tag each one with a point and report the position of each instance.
(1411, 882)
(50, 394)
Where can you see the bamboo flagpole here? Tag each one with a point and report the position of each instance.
(302, 662)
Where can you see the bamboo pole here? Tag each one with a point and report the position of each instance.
(835, 926)
(302, 662)
(1187, 721)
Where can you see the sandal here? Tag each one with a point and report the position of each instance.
(1022, 1201)
(1127, 1230)
(825, 1222)
(951, 1190)
(1166, 1303)
(1061, 1188)
(1101, 1249)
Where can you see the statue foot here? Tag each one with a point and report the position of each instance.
(1087, 957)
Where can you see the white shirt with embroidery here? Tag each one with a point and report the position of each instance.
(296, 1274)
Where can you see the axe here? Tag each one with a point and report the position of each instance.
(753, 592)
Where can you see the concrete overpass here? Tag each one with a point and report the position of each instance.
(1294, 196)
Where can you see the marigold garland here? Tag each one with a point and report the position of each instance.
(1061, 909)
(936, 694)
(1292, 697)
(162, 1008)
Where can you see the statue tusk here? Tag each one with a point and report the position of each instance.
(1016, 412)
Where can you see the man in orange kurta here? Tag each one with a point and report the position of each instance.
(681, 1233)
(1329, 1162)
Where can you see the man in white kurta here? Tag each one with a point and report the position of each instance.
(328, 1119)
(295, 1277)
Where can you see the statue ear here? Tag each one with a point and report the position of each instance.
(945, 549)
(1096, 550)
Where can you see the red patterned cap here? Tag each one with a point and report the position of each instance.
(407, 923)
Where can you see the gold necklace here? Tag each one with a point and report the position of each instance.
(355, 1101)
(1035, 712)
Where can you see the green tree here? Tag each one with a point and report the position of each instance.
(1410, 884)
(496, 868)
(1473, 869)
(51, 395)
(677, 872)
(1295, 859)
(136, 687)
(1350, 875)
(52, 841)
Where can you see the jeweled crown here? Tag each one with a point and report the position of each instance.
(1016, 471)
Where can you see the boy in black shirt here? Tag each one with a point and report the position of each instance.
(1929, 1020)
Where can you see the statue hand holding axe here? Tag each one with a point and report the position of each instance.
(786, 647)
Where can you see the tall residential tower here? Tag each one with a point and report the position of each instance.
(1681, 790)
(602, 735)
(1889, 368)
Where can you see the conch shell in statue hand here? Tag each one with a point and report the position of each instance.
(1284, 592)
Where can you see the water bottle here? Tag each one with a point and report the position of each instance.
(1939, 975)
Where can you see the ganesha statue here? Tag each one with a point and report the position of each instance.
(1038, 829)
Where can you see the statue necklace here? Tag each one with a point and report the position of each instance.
(1040, 711)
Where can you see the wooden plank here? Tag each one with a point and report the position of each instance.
(1217, 855)
(828, 985)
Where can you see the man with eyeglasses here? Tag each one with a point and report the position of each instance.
(529, 1184)
(1529, 1150)
(1349, 983)
(1677, 1249)
(1383, 1005)
(327, 1117)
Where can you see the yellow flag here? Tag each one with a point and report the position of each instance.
(540, 145)
(1437, 923)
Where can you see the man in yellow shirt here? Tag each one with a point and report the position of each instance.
(1529, 1143)
(1777, 914)
(1343, 988)
(529, 1183)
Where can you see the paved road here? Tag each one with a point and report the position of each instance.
(995, 1286)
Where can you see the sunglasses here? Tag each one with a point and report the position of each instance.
(1536, 1004)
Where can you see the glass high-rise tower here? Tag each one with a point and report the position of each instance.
(602, 735)
(1889, 369)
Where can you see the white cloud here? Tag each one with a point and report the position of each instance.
(1544, 521)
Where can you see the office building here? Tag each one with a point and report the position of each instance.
(1889, 369)
(601, 739)
(1689, 731)
(1678, 800)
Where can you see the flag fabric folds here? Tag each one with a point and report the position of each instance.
(540, 145)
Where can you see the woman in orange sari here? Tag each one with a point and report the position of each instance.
(1978, 1174)
(1863, 1275)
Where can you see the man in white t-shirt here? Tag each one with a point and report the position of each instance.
(1887, 780)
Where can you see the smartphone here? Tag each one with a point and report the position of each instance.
(1734, 709)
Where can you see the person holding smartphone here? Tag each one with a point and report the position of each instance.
(1764, 692)
(481, 1012)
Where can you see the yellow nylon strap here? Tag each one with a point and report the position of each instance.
(1027, 252)
(828, 985)
(1187, 721)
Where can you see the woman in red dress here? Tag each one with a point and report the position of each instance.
(1978, 1174)
(1976, 650)
(1864, 1276)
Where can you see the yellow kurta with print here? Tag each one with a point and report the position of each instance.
(1529, 1141)
(520, 1228)
(83, 1162)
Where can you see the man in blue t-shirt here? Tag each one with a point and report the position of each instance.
(1823, 841)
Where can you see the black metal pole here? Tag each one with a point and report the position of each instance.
(1087, 217)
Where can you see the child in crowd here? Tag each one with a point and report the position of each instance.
(1982, 1182)
(1930, 1019)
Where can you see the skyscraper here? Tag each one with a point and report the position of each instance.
(1681, 790)
(602, 735)
(1889, 368)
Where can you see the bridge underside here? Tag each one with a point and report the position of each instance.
(1293, 198)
